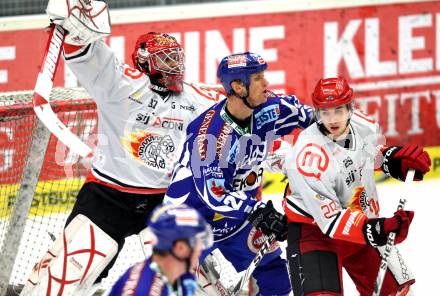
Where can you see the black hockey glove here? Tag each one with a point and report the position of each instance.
(269, 221)
(376, 230)
(398, 160)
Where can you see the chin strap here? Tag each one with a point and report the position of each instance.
(156, 86)
(244, 98)
(187, 260)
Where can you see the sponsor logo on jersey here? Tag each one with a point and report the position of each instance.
(143, 118)
(256, 240)
(188, 108)
(216, 188)
(223, 230)
(266, 115)
(250, 181)
(351, 220)
(222, 139)
(347, 162)
(203, 130)
(213, 171)
(350, 178)
(312, 160)
(168, 123)
(255, 157)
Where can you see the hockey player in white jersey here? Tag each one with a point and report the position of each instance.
(143, 113)
(332, 204)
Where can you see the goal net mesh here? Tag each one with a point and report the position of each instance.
(60, 179)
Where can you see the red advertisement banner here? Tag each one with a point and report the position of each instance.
(389, 53)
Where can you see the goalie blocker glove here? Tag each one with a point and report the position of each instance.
(376, 231)
(269, 220)
(398, 160)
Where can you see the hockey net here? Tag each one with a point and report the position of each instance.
(59, 180)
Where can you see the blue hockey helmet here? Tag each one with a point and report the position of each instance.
(169, 223)
(239, 66)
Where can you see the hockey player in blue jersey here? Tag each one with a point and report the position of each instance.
(179, 234)
(219, 171)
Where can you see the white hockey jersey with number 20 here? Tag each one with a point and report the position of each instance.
(139, 132)
(332, 184)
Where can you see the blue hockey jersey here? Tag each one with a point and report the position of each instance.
(220, 169)
(146, 279)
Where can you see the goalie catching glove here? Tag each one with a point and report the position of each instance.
(85, 20)
(269, 220)
(398, 160)
(376, 231)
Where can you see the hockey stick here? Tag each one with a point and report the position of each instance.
(390, 242)
(211, 274)
(43, 89)
(247, 274)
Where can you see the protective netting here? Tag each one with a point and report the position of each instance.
(60, 179)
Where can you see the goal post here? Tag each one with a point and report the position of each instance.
(39, 181)
(39, 177)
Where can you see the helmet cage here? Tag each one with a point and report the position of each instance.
(168, 60)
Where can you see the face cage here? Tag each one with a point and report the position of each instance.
(170, 61)
(318, 119)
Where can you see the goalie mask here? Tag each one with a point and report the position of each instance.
(161, 57)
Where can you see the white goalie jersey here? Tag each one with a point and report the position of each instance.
(139, 132)
(332, 183)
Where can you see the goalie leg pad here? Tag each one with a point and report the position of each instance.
(81, 254)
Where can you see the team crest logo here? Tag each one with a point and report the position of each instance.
(151, 149)
(359, 200)
(256, 240)
(216, 188)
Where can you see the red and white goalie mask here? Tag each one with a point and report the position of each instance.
(158, 53)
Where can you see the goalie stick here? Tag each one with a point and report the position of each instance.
(247, 274)
(390, 242)
(43, 89)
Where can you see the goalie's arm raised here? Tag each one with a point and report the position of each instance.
(90, 59)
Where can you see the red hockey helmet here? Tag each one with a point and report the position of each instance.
(158, 52)
(331, 93)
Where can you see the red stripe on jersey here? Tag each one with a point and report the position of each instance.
(350, 227)
(295, 217)
(93, 178)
